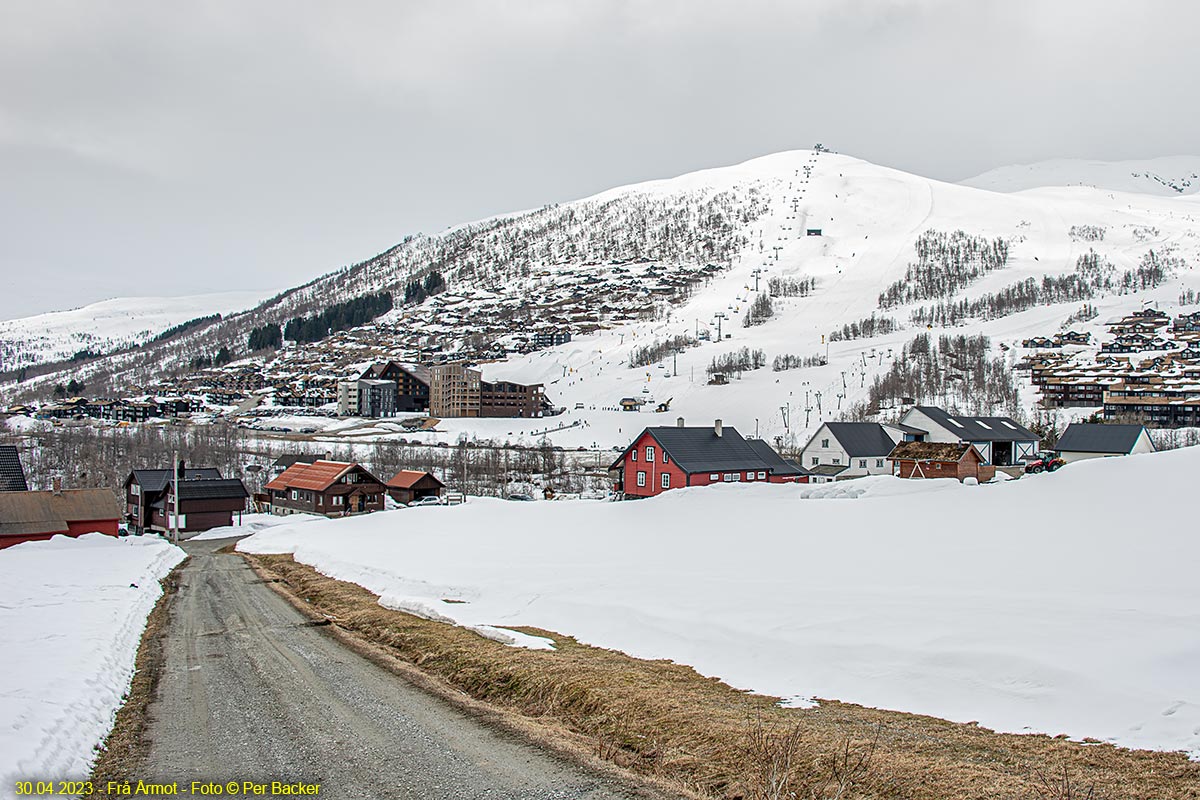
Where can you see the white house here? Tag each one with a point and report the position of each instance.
(1000, 440)
(1083, 440)
(841, 450)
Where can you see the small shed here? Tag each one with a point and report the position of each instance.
(631, 404)
(958, 460)
(409, 485)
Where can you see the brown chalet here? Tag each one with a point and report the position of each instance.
(328, 488)
(409, 485)
(958, 460)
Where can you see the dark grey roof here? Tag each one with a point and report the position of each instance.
(701, 450)
(1084, 437)
(861, 439)
(979, 429)
(827, 470)
(212, 489)
(907, 428)
(156, 480)
(776, 463)
(286, 461)
(12, 474)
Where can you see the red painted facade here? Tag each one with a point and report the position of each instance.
(644, 465)
(106, 526)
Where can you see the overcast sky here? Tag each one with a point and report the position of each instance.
(151, 147)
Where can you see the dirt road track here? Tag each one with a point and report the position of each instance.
(251, 690)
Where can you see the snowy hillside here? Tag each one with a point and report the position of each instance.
(651, 273)
(1027, 606)
(1172, 175)
(108, 325)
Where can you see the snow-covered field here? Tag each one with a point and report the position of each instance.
(72, 612)
(1062, 603)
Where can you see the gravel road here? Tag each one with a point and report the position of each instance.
(251, 691)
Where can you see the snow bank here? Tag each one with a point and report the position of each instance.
(1059, 603)
(72, 612)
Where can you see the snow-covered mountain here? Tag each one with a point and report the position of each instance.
(688, 256)
(108, 325)
(1168, 176)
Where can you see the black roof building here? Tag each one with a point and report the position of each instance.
(777, 463)
(12, 474)
(979, 429)
(862, 439)
(1083, 437)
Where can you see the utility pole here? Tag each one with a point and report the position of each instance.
(175, 499)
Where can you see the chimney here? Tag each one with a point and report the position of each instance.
(182, 469)
(328, 456)
(717, 428)
(679, 422)
(56, 484)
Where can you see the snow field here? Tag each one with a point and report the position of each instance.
(1061, 603)
(72, 612)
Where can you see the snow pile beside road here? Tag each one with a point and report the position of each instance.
(72, 612)
(1058, 603)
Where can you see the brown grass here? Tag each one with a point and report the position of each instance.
(666, 723)
(121, 756)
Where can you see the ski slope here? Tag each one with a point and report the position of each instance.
(869, 217)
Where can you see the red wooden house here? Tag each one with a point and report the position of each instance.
(665, 458)
(959, 460)
(35, 516)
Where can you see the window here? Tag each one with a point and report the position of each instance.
(837, 459)
(633, 454)
(666, 480)
(338, 500)
(295, 495)
(862, 463)
(649, 454)
(135, 490)
(641, 479)
(320, 499)
(665, 459)
(762, 476)
(749, 476)
(879, 462)
(816, 460)
(825, 443)
(714, 477)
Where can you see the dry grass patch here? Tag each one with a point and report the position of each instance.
(666, 722)
(120, 757)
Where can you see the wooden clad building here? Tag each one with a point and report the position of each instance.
(959, 460)
(206, 499)
(408, 485)
(27, 516)
(328, 488)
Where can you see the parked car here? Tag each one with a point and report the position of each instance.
(521, 497)
(429, 500)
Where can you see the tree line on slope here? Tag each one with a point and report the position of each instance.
(945, 263)
(1093, 276)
